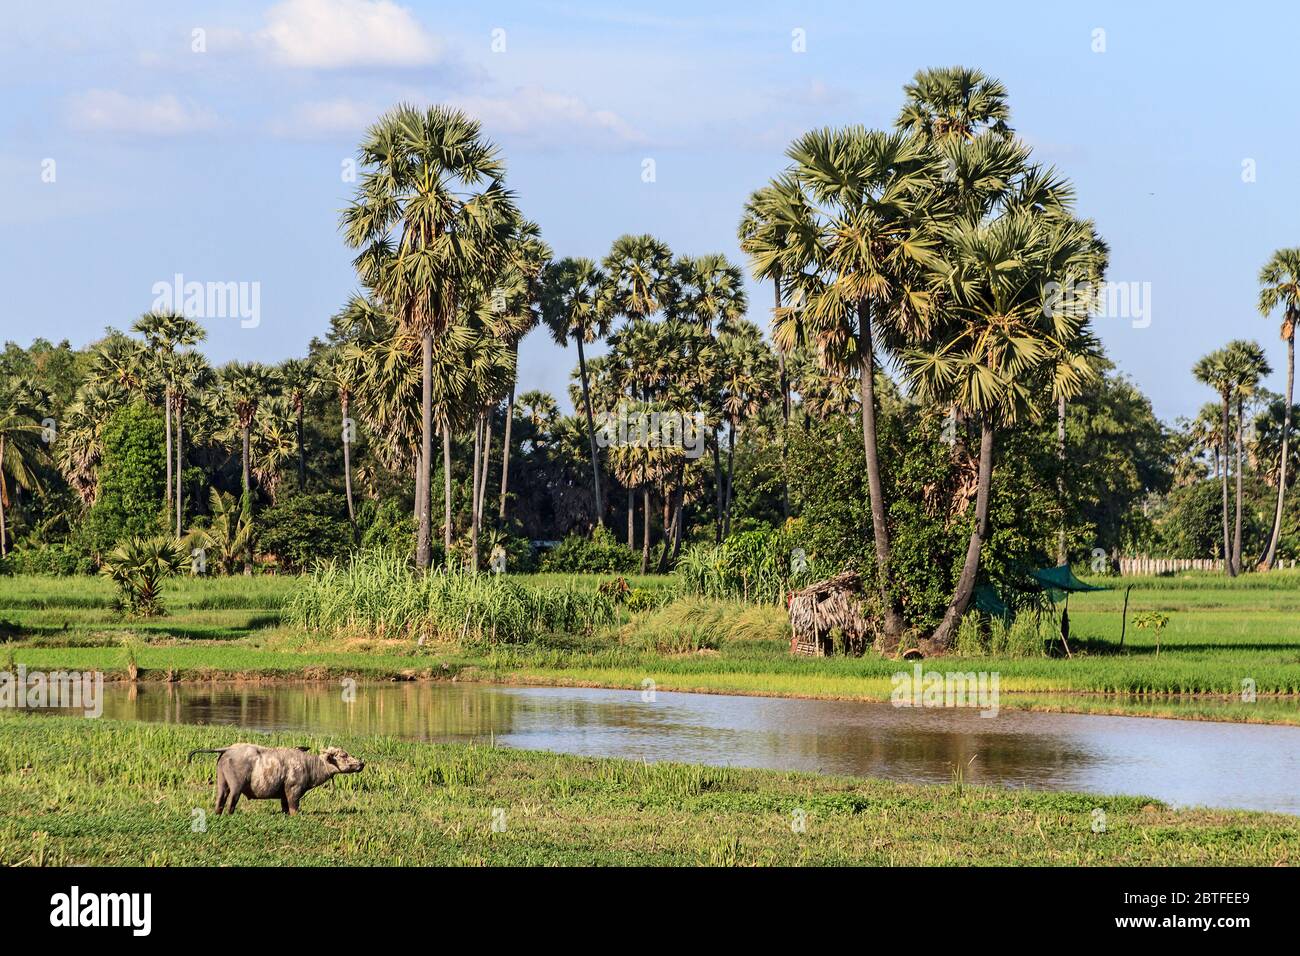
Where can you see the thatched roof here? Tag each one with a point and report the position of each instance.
(834, 604)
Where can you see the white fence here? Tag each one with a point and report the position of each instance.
(1144, 565)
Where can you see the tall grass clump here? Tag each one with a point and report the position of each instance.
(377, 593)
(752, 566)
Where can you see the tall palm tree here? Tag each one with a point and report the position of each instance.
(639, 276)
(20, 446)
(245, 387)
(81, 441)
(749, 384)
(1081, 352)
(1266, 448)
(1248, 367)
(192, 375)
(1280, 282)
(298, 376)
(163, 334)
(339, 374)
(954, 102)
(1216, 371)
(771, 215)
(995, 353)
(574, 306)
(425, 229)
(856, 270)
(521, 297)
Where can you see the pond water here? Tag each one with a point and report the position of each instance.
(1183, 762)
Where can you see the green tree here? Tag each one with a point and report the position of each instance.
(424, 231)
(1280, 282)
(244, 387)
(132, 477)
(574, 307)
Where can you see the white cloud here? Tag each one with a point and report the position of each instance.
(327, 34)
(111, 111)
(327, 117)
(548, 118)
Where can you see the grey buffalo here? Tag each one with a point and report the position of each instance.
(264, 773)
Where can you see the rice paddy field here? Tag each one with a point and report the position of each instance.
(1223, 637)
(78, 792)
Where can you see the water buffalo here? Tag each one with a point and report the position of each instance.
(263, 773)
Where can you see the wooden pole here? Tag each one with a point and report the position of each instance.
(1123, 621)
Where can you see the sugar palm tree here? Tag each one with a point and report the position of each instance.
(995, 355)
(1280, 286)
(748, 384)
(339, 374)
(771, 215)
(1216, 371)
(638, 275)
(21, 448)
(1248, 367)
(245, 386)
(522, 294)
(857, 276)
(191, 375)
(297, 376)
(431, 213)
(574, 306)
(1270, 436)
(81, 443)
(163, 334)
(954, 102)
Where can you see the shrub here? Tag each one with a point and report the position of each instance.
(386, 526)
(137, 567)
(58, 559)
(599, 554)
(301, 529)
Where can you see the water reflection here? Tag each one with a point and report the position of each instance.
(1183, 762)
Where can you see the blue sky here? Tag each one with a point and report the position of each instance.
(226, 165)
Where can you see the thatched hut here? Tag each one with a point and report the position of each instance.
(828, 613)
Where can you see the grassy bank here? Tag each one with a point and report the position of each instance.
(1221, 634)
(74, 791)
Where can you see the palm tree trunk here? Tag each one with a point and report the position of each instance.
(505, 453)
(167, 494)
(423, 544)
(4, 494)
(718, 486)
(785, 410)
(347, 466)
(1270, 553)
(1061, 555)
(446, 494)
(1223, 476)
(645, 531)
(487, 458)
(880, 529)
(248, 501)
(943, 636)
(1236, 532)
(731, 478)
(631, 517)
(302, 448)
(180, 459)
(591, 435)
(473, 494)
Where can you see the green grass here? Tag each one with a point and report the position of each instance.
(74, 791)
